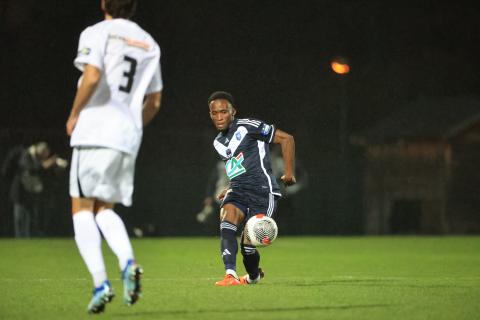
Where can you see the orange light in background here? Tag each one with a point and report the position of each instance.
(340, 67)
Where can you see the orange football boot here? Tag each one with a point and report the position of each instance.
(228, 280)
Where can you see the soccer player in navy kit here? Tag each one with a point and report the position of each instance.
(244, 146)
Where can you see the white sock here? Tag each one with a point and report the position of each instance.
(115, 233)
(89, 243)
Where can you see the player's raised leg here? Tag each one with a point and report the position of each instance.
(230, 218)
(251, 257)
(251, 261)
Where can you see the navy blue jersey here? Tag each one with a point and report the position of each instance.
(245, 149)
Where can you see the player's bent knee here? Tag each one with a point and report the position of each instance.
(231, 213)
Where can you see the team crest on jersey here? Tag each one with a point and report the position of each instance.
(84, 51)
(266, 129)
(228, 152)
(234, 167)
(238, 135)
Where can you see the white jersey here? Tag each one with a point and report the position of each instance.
(129, 59)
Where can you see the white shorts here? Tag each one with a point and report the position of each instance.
(102, 173)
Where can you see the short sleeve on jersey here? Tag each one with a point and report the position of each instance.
(259, 130)
(156, 85)
(91, 50)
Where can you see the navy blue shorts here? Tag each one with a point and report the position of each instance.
(252, 203)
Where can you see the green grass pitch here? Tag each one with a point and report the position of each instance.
(306, 278)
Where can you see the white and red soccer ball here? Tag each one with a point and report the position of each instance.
(261, 230)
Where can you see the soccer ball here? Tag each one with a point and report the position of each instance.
(261, 230)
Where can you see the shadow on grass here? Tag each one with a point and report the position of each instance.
(246, 310)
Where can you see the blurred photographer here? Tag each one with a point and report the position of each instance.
(23, 169)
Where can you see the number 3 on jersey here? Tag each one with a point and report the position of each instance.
(129, 74)
(234, 167)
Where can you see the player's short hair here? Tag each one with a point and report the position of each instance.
(121, 8)
(221, 95)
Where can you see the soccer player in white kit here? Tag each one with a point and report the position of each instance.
(118, 93)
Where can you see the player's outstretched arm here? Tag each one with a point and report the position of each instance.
(91, 78)
(151, 106)
(287, 144)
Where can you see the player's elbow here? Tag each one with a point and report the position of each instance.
(289, 139)
(154, 101)
(151, 107)
(283, 138)
(289, 143)
(157, 104)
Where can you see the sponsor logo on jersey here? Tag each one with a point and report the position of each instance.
(229, 153)
(234, 167)
(130, 42)
(266, 130)
(84, 51)
(238, 135)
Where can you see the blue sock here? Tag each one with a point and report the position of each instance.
(228, 244)
(251, 260)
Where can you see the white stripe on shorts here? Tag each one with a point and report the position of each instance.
(271, 205)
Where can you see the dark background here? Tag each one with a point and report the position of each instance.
(274, 57)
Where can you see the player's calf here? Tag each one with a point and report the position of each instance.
(251, 260)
